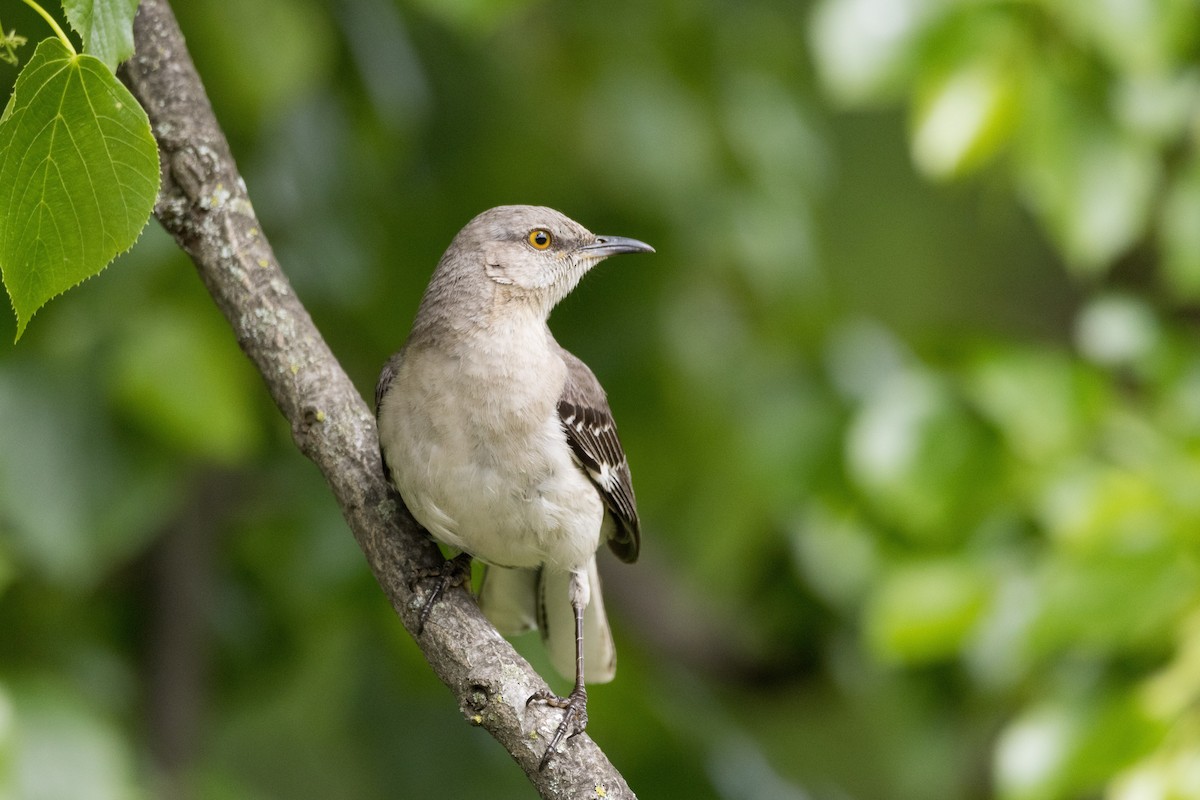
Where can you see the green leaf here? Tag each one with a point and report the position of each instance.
(1092, 185)
(78, 176)
(861, 63)
(920, 460)
(963, 119)
(1068, 746)
(106, 27)
(924, 612)
(9, 42)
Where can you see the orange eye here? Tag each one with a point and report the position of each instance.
(540, 238)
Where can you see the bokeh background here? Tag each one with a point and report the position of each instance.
(911, 393)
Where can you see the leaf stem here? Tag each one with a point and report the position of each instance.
(57, 30)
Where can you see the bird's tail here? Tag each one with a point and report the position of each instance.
(516, 600)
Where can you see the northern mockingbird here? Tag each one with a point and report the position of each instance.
(502, 444)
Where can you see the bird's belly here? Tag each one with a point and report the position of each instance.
(527, 506)
(513, 523)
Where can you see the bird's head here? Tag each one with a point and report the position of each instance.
(526, 256)
(533, 252)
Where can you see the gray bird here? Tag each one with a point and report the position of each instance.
(502, 444)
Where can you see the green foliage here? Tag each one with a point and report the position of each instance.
(1091, 104)
(909, 392)
(923, 612)
(106, 27)
(9, 42)
(174, 374)
(79, 168)
(43, 722)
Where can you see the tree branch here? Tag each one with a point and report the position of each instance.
(204, 205)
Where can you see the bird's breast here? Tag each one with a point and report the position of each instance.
(479, 455)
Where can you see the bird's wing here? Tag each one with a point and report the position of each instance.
(592, 434)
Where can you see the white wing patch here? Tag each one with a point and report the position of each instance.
(603, 477)
(592, 435)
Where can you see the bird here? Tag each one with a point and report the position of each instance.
(502, 444)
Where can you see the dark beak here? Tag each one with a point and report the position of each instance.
(614, 245)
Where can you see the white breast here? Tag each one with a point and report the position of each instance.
(475, 446)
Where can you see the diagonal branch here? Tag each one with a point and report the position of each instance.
(204, 205)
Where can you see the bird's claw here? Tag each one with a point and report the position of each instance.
(454, 572)
(574, 720)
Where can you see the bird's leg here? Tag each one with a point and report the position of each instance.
(453, 572)
(575, 717)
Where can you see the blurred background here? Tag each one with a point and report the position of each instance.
(911, 393)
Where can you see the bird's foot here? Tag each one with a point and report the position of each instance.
(574, 719)
(454, 572)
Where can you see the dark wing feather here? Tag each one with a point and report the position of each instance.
(592, 434)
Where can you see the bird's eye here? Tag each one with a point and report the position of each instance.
(540, 238)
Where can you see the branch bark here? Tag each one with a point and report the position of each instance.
(204, 205)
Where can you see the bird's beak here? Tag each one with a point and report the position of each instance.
(605, 246)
